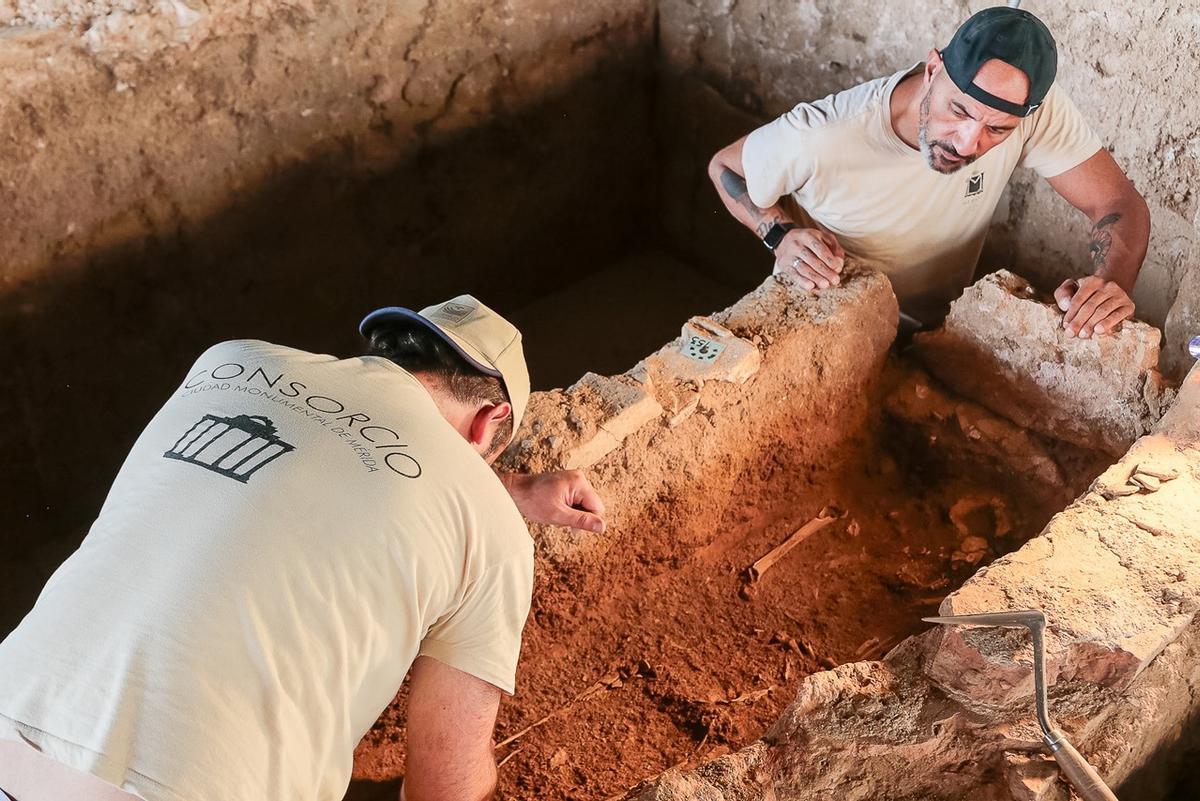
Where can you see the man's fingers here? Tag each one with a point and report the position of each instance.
(835, 248)
(815, 269)
(835, 245)
(587, 498)
(812, 247)
(804, 283)
(1083, 295)
(820, 245)
(800, 272)
(827, 261)
(1092, 305)
(800, 278)
(824, 275)
(1083, 314)
(1106, 307)
(586, 521)
(581, 505)
(1063, 294)
(1113, 321)
(563, 515)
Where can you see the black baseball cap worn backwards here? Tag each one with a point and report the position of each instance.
(1013, 36)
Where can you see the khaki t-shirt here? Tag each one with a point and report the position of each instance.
(286, 536)
(844, 165)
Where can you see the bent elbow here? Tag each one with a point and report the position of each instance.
(715, 165)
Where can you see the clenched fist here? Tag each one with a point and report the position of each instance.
(561, 498)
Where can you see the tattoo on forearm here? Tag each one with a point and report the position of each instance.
(1101, 240)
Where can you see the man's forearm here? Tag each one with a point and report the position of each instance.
(1117, 245)
(814, 258)
(731, 188)
(483, 788)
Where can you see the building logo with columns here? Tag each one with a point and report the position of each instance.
(234, 447)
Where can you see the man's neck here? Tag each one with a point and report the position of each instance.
(906, 109)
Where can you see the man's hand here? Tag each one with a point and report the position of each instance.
(562, 498)
(813, 256)
(1092, 304)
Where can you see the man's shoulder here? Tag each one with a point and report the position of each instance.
(257, 347)
(251, 353)
(1056, 105)
(494, 504)
(846, 106)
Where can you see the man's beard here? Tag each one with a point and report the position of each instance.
(936, 152)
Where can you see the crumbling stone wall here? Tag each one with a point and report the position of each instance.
(177, 173)
(702, 410)
(1015, 359)
(741, 63)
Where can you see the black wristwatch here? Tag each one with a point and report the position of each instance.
(775, 235)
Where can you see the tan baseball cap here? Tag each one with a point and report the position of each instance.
(490, 343)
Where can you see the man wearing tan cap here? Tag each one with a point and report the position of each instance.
(290, 535)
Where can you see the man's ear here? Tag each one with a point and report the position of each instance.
(488, 414)
(933, 65)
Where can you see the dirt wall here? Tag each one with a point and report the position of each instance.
(745, 62)
(178, 174)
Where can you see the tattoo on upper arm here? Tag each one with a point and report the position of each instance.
(1101, 239)
(735, 186)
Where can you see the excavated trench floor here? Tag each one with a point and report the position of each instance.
(683, 660)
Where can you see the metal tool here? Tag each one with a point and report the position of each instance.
(1083, 776)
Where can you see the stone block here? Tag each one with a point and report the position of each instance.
(591, 450)
(1008, 351)
(705, 351)
(607, 410)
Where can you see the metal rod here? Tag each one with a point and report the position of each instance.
(1039, 679)
(1082, 776)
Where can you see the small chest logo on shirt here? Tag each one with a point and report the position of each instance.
(975, 185)
(234, 447)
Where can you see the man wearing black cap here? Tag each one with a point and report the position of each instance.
(904, 172)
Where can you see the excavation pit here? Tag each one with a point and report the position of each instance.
(651, 647)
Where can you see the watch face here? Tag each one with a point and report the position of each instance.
(774, 236)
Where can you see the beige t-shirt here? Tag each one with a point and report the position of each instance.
(844, 165)
(288, 533)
